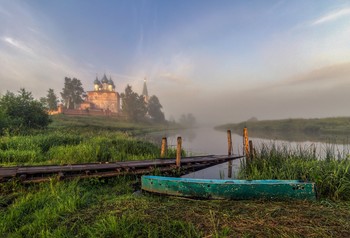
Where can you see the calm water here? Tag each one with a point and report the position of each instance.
(207, 141)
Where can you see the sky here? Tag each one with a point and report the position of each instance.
(223, 61)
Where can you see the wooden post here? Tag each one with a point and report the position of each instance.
(251, 150)
(246, 143)
(229, 142)
(164, 148)
(229, 152)
(178, 152)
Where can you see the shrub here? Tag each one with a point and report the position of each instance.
(20, 112)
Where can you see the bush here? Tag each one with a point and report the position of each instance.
(21, 112)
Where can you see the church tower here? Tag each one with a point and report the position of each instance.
(145, 91)
(104, 82)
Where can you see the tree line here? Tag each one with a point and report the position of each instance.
(21, 112)
(136, 109)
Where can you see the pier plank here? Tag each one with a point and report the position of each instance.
(112, 168)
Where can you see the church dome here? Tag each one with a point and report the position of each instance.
(97, 81)
(110, 82)
(104, 79)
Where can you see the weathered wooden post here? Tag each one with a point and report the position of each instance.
(178, 152)
(229, 142)
(164, 148)
(251, 150)
(246, 143)
(229, 152)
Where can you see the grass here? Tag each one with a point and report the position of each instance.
(331, 174)
(96, 124)
(80, 140)
(64, 148)
(109, 208)
(112, 208)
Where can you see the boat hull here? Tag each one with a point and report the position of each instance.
(229, 189)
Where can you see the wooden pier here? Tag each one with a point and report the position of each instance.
(27, 174)
(45, 172)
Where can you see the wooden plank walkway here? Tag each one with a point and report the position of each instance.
(45, 172)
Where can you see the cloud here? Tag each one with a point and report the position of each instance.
(331, 16)
(172, 77)
(30, 55)
(19, 45)
(332, 73)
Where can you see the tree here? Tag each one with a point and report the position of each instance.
(133, 105)
(154, 109)
(72, 93)
(19, 112)
(43, 102)
(252, 119)
(3, 120)
(51, 99)
(187, 120)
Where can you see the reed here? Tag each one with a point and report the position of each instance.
(330, 173)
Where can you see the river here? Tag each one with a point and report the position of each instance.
(208, 141)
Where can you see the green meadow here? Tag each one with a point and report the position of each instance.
(115, 207)
(79, 140)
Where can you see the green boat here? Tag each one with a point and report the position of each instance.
(229, 189)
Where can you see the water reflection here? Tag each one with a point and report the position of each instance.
(208, 141)
(199, 141)
(204, 141)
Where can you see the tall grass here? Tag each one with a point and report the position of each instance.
(65, 148)
(83, 209)
(331, 174)
(41, 207)
(132, 225)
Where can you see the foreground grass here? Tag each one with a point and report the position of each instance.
(109, 208)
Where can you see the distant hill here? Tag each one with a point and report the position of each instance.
(318, 129)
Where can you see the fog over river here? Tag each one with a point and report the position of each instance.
(208, 141)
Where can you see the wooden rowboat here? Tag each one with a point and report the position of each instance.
(229, 189)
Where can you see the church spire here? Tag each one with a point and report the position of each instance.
(144, 90)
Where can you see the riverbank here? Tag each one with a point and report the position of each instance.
(116, 207)
(330, 130)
